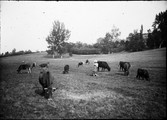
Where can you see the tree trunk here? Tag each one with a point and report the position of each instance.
(53, 54)
(160, 44)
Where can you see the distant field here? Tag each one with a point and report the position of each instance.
(79, 95)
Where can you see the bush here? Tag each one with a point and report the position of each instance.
(70, 54)
(119, 49)
(85, 51)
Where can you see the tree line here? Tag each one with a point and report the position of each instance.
(14, 52)
(110, 43)
(57, 39)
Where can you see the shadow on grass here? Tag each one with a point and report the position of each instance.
(153, 67)
(56, 56)
(125, 92)
(118, 73)
(39, 92)
(50, 56)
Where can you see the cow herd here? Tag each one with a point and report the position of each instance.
(143, 73)
(46, 78)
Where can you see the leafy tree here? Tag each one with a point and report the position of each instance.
(98, 46)
(107, 43)
(116, 44)
(69, 46)
(153, 40)
(79, 44)
(115, 33)
(14, 51)
(27, 51)
(99, 40)
(6, 53)
(135, 43)
(150, 42)
(132, 46)
(122, 43)
(56, 39)
(160, 29)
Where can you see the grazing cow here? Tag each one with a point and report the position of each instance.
(26, 66)
(143, 74)
(66, 69)
(87, 62)
(126, 68)
(121, 65)
(80, 63)
(44, 65)
(46, 80)
(103, 65)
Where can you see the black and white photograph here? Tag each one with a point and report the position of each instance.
(83, 59)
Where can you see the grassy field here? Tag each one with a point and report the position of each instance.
(80, 95)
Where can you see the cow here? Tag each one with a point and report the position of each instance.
(143, 73)
(87, 62)
(46, 81)
(26, 66)
(66, 69)
(80, 63)
(44, 65)
(103, 65)
(121, 65)
(126, 68)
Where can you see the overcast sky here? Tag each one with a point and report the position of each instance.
(26, 24)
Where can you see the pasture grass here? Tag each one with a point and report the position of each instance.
(80, 95)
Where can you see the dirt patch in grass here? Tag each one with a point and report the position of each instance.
(95, 95)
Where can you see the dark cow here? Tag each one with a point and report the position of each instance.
(46, 80)
(126, 68)
(121, 65)
(143, 74)
(103, 65)
(87, 62)
(26, 66)
(66, 69)
(44, 65)
(80, 63)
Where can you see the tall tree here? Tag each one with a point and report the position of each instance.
(57, 37)
(153, 40)
(79, 44)
(115, 33)
(160, 28)
(135, 42)
(14, 51)
(108, 41)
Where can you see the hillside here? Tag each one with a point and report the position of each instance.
(80, 95)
